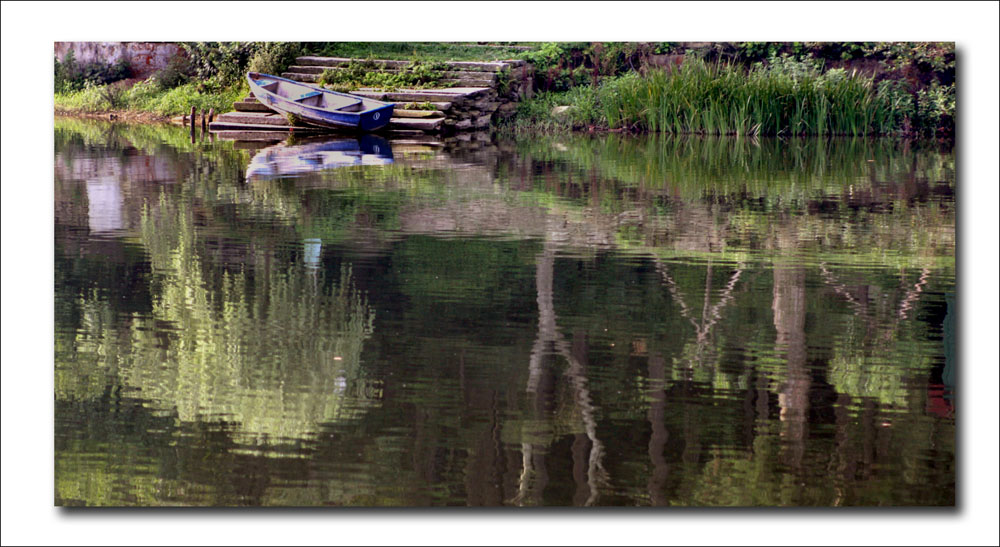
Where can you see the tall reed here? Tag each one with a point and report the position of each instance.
(784, 98)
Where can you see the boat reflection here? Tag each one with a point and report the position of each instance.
(285, 159)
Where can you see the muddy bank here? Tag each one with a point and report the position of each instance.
(132, 116)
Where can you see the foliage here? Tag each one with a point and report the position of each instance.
(116, 94)
(274, 57)
(925, 69)
(935, 111)
(177, 72)
(423, 51)
(368, 73)
(557, 65)
(536, 114)
(418, 106)
(147, 96)
(560, 66)
(223, 63)
(786, 97)
(71, 75)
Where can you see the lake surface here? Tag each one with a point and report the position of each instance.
(554, 321)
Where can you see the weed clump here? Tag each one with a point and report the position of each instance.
(368, 73)
(71, 75)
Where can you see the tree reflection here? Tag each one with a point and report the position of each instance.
(541, 387)
(218, 343)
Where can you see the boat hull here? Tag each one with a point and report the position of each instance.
(374, 114)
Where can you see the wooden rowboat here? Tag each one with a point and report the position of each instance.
(320, 107)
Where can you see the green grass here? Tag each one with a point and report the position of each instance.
(417, 74)
(146, 96)
(781, 99)
(785, 98)
(536, 114)
(426, 51)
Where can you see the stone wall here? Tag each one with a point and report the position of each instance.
(145, 58)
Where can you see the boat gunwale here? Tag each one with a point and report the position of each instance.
(363, 100)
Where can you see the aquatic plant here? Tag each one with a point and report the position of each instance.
(784, 98)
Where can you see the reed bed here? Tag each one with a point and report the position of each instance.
(788, 98)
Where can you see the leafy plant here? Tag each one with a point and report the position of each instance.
(71, 75)
(176, 73)
(222, 62)
(115, 94)
(274, 57)
(370, 74)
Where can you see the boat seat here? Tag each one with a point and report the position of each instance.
(267, 83)
(305, 96)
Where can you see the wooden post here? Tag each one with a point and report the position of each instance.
(193, 114)
(211, 114)
(204, 120)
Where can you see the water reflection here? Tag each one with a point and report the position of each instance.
(283, 159)
(562, 321)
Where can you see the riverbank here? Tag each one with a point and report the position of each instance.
(129, 116)
(783, 98)
(745, 88)
(147, 99)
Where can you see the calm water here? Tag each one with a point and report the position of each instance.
(557, 321)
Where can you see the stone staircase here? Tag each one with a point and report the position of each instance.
(473, 94)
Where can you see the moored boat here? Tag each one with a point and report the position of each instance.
(320, 107)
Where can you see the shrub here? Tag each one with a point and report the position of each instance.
(115, 94)
(70, 75)
(274, 57)
(536, 114)
(369, 74)
(220, 63)
(177, 72)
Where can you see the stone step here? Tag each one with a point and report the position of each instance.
(402, 113)
(253, 139)
(452, 74)
(403, 133)
(255, 118)
(453, 95)
(301, 77)
(252, 105)
(437, 105)
(476, 66)
(423, 124)
(443, 107)
(313, 78)
(258, 128)
(258, 121)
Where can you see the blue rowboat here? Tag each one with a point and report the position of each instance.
(317, 106)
